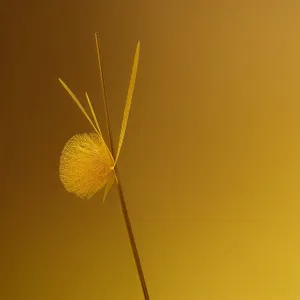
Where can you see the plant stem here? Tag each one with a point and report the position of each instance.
(132, 239)
(120, 189)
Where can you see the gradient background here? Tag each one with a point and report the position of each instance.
(210, 164)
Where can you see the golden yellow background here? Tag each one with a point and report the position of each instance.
(210, 164)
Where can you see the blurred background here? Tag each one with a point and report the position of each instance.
(210, 164)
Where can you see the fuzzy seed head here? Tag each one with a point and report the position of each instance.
(85, 165)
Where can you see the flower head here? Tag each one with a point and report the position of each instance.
(86, 163)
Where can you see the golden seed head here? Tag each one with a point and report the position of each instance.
(85, 164)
